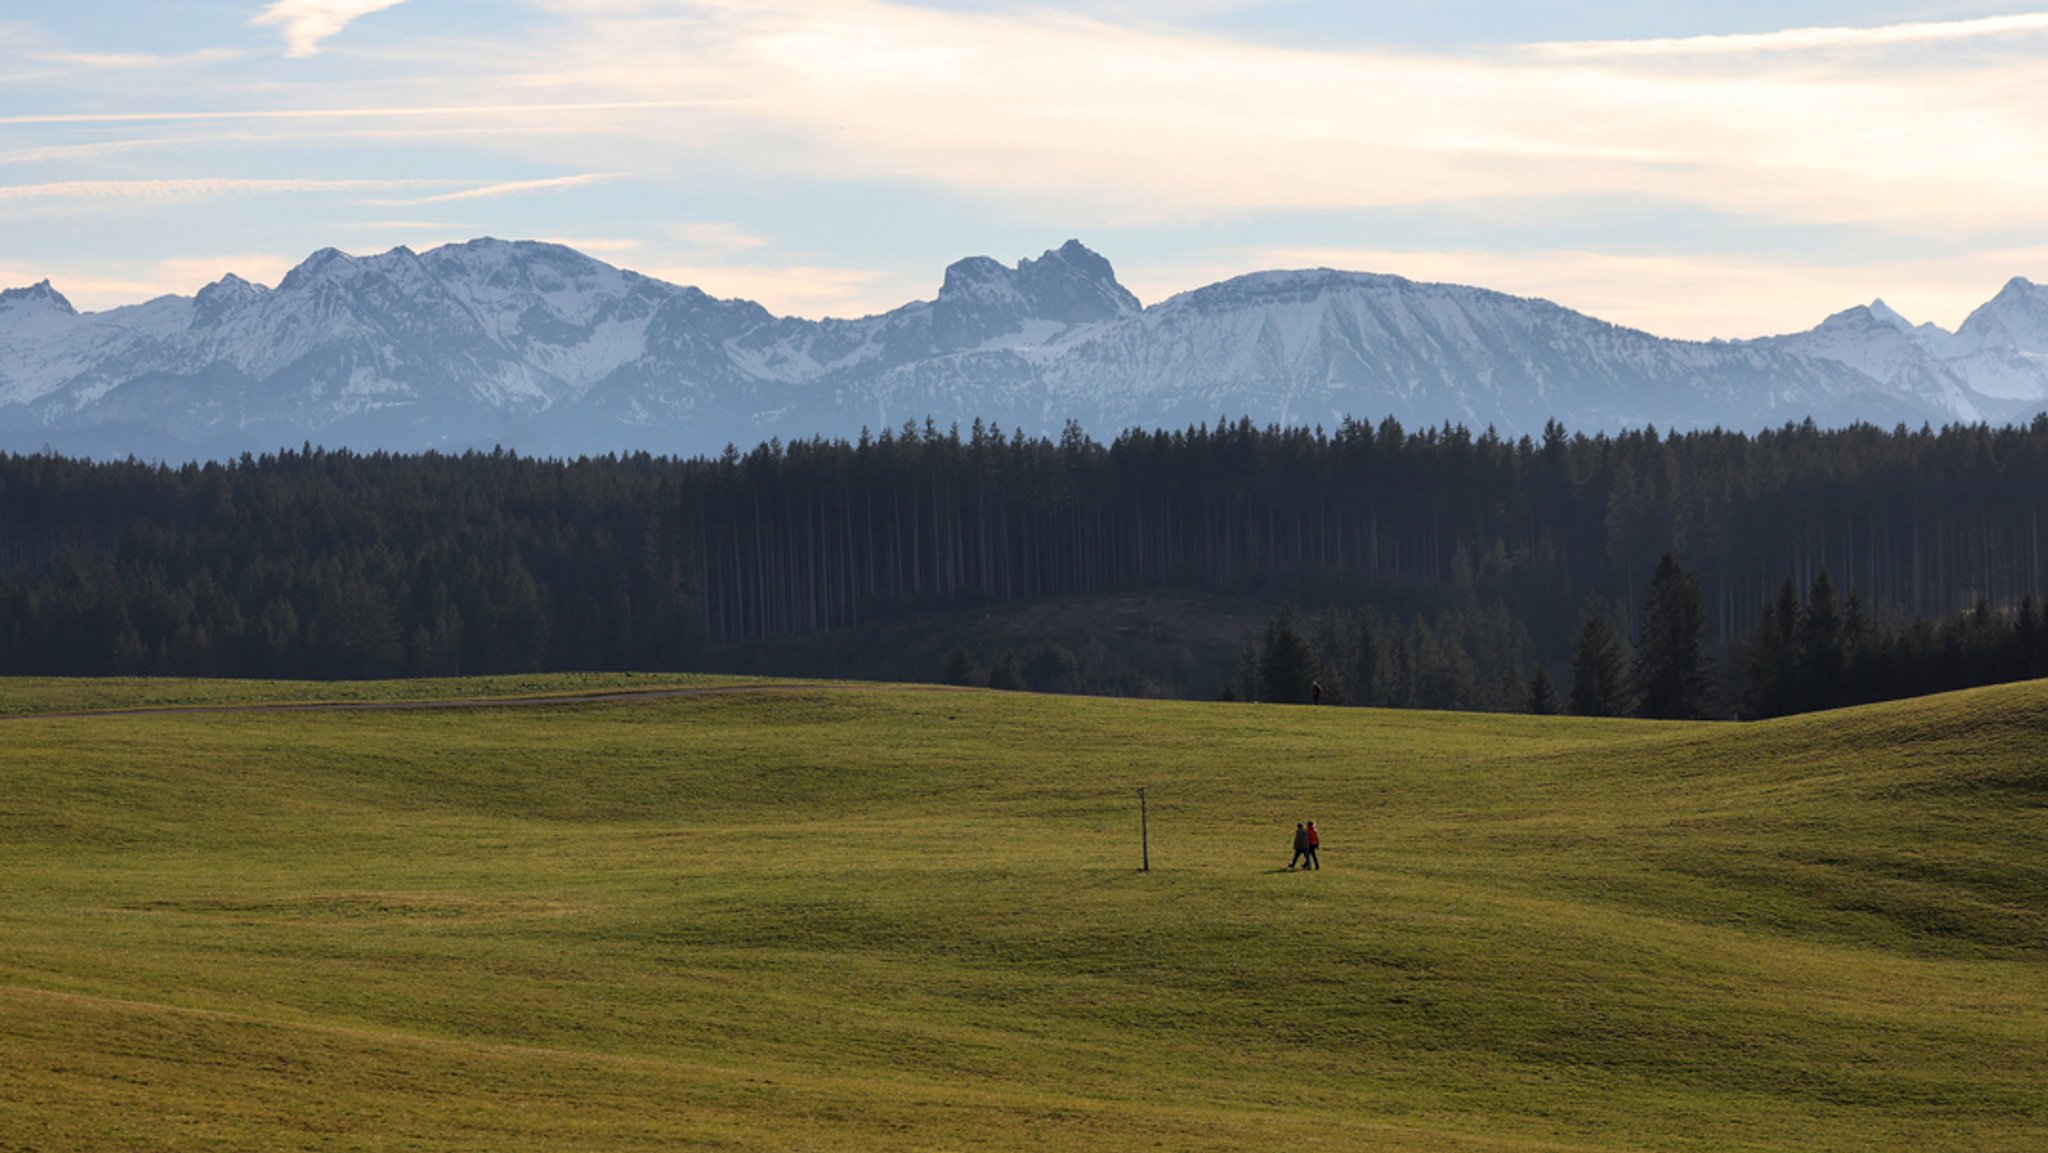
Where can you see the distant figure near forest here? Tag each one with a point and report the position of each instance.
(1300, 845)
(1315, 692)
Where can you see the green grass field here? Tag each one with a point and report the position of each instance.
(855, 917)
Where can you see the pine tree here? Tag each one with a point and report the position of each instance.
(1599, 668)
(1771, 661)
(1542, 694)
(1821, 657)
(959, 668)
(1287, 666)
(1672, 672)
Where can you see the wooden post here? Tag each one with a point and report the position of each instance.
(1144, 836)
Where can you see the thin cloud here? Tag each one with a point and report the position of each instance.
(1171, 126)
(191, 187)
(716, 237)
(506, 188)
(1805, 39)
(307, 22)
(197, 140)
(360, 113)
(132, 61)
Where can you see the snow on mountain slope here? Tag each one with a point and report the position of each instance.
(573, 318)
(545, 349)
(1994, 367)
(1318, 345)
(1879, 343)
(2002, 347)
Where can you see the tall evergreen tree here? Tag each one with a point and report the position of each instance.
(1771, 660)
(1287, 666)
(1599, 668)
(1542, 694)
(1672, 671)
(1821, 651)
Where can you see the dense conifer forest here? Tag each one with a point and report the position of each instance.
(1436, 567)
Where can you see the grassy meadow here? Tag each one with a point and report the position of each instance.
(860, 917)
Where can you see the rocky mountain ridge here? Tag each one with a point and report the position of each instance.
(543, 349)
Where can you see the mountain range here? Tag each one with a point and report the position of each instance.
(543, 349)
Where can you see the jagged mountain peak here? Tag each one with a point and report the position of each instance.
(1072, 284)
(2017, 316)
(1886, 314)
(982, 298)
(976, 276)
(1873, 318)
(40, 296)
(1076, 284)
(222, 297)
(332, 264)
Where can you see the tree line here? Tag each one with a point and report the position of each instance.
(1461, 562)
(1821, 651)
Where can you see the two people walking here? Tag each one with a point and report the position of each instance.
(1306, 842)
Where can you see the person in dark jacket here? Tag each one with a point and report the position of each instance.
(1300, 845)
(1314, 841)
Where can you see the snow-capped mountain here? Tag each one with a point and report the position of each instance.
(541, 348)
(1993, 367)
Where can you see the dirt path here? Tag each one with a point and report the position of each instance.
(616, 697)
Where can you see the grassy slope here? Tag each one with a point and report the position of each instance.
(20, 696)
(864, 918)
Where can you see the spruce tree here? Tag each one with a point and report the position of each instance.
(1287, 666)
(1542, 694)
(1820, 646)
(1599, 668)
(1771, 661)
(1672, 672)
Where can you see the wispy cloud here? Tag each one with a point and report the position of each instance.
(214, 186)
(1156, 123)
(721, 237)
(131, 61)
(507, 188)
(361, 113)
(307, 22)
(208, 186)
(1926, 133)
(1806, 39)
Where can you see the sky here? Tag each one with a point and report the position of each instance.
(1726, 170)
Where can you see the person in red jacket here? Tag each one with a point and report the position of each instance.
(1315, 841)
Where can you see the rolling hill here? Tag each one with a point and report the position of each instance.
(774, 915)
